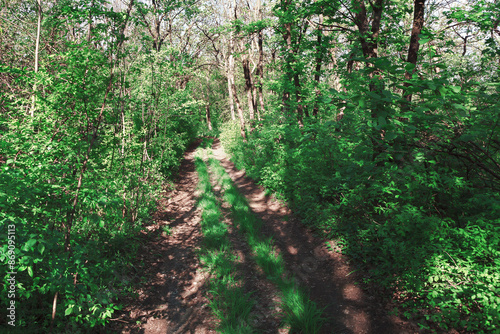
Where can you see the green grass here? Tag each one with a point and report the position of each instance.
(300, 313)
(228, 302)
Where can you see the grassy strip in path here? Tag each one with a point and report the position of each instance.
(230, 304)
(301, 314)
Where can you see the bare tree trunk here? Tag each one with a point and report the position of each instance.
(298, 98)
(231, 97)
(248, 84)
(287, 36)
(89, 32)
(54, 309)
(418, 23)
(207, 114)
(290, 68)
(255, 108)
(123, 129)
(38, 29)
(207, 106)
(240, 110)
(260, 65)
(369, 46)
(230, 75)
(233, 83)
(319, 60)
(333, 66)
(260, 68)
(37, 51)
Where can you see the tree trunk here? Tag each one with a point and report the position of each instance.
(319, 59)
(298, 98)
(260, 68)
(292, 36)
(369, 45)
(418, 23)
(255, 108)
(240, 110)
(231, 98)
(368, 41)
(207, 106)
(248, 85)
(230, 72)
(207, 113)
(233, 83)
(37, 50)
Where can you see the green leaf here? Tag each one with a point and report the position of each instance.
(30, 271)
(29, 244)
(41, 248)
(409, 67)
(423, 38)
(442, 90)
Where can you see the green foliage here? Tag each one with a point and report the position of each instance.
(410, 188)
(80, 178)
(415, 214)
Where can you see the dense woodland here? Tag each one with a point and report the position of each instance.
(377, 121)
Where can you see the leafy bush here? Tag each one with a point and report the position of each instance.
(419, 226)
(78, 180)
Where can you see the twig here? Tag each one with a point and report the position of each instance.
(120, 320)
(54, 308)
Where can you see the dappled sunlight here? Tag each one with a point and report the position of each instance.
(171, 299)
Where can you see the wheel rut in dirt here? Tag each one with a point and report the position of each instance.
(171, 299)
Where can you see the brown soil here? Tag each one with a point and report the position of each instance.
(172, 298)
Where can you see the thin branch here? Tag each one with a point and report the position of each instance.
(340, 28)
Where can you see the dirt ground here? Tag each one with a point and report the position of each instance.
(172, 298)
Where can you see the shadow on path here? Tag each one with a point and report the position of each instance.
(171, 299)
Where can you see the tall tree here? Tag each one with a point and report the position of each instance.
(37, 51)
(260, 65)
(292, 27)
(418, 23)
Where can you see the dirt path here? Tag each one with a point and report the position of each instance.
(172, 299)
(327, 275)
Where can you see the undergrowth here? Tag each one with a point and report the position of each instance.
(418, 226)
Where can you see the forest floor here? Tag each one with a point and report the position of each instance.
(172, 286)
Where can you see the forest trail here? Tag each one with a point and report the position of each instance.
(173, 297)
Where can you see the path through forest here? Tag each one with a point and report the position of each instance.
(172, 297)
